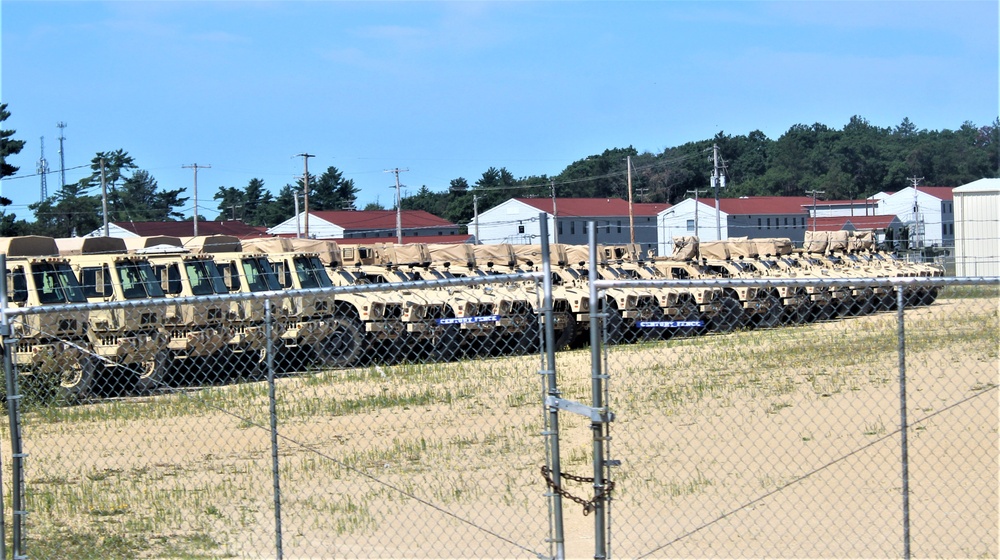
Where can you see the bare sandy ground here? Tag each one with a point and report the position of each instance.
(781, 443)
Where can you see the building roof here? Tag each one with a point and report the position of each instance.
(235, 228)
(585, 207)
(837, 223)
(981, 185)
(380, 219)
(464, 238)
(760, 205)
(861, 202)
(944, 193)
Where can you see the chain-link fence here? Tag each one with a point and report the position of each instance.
(786, 439)
(192, 411)
(364, 421)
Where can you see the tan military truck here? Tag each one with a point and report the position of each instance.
(460, 316)
(199, 329)
(691, 308)
(684, 264)
(322, 329)
(518, 330)
(51, 351)
(502, 259)
(131, 342)
(575, 292)
(624, 308)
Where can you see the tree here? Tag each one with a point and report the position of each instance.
(331, 191)
(8, 147)
(140, 200)
(68, 212)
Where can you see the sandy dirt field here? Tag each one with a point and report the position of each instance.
(779, 443)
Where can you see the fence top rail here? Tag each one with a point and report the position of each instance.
(278, 294)
(917, 281)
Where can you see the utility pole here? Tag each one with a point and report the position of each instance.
(195, 166)
(814, 193)
(305, 188)
(475, 214)
(696, 208)
(62, 159)
(399, 211)
(918, 230)
(555, 218)
(631, 215)
(104, 201)
(298, 220)
(718, 180)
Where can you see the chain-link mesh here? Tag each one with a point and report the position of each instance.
(267, 402)
(406, 419)
(786, 441)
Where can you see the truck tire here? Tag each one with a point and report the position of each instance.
(342, 348)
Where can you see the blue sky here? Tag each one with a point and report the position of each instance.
(447, 90)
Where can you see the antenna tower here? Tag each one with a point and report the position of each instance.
(43, 171)
(62, 158)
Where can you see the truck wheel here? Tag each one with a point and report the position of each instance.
(565, 336)
(151, 375)
(614, 325)
(343, 347)
(772, 317)
(76, 381)
(730, 317)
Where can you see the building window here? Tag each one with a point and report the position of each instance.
(619, 226)
(585, 228)
(609, 227)
(758, 223)
(769, 223)
(572, 227)
(559, 227)
(690, 225)
(520, 228)
(786, 222)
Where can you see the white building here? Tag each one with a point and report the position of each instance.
(753, 216)
(518, 220)
(341, 224)
(928, 213)
(977, 240)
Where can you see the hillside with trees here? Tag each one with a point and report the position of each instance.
(853, 162)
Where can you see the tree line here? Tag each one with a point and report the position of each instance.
(853, 162)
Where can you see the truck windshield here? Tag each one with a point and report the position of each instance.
(311, 273)
(204, 277)
(56, 283)
(138, 280)
(259, 274)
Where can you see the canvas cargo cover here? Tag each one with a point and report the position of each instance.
(815, 242)
(415, 254)
(838, 240)
(500, 255)
(714, 249)
(741, 247)
(579, 255)
(134, 244)
(209, 244)
(328, 251)
(91, 245)
(29, 246)
(773, 246)
(268, 245)
(862, 241)
(531, 255)
(685, 248)
(456, 254)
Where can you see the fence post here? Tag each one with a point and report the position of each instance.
(551, 390)
(14, 418)
(904, 427)
(272, 404)
(597, 395)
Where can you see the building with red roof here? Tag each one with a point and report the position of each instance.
(519, 221)
(364, 224)
(235, 228)
(752, 216)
